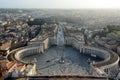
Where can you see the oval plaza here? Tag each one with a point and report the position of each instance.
(74, 59)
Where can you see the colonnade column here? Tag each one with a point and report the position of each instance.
(80, 48)
(83, 49)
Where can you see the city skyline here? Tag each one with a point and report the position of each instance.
(60, 4)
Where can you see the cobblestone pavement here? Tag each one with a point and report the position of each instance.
(75, 62)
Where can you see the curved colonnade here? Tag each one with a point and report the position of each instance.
(19, 53)
(110, 62)
(108, 65)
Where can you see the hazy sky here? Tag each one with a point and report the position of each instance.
(60, 4)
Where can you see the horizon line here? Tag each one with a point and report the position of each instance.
(63, 8)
